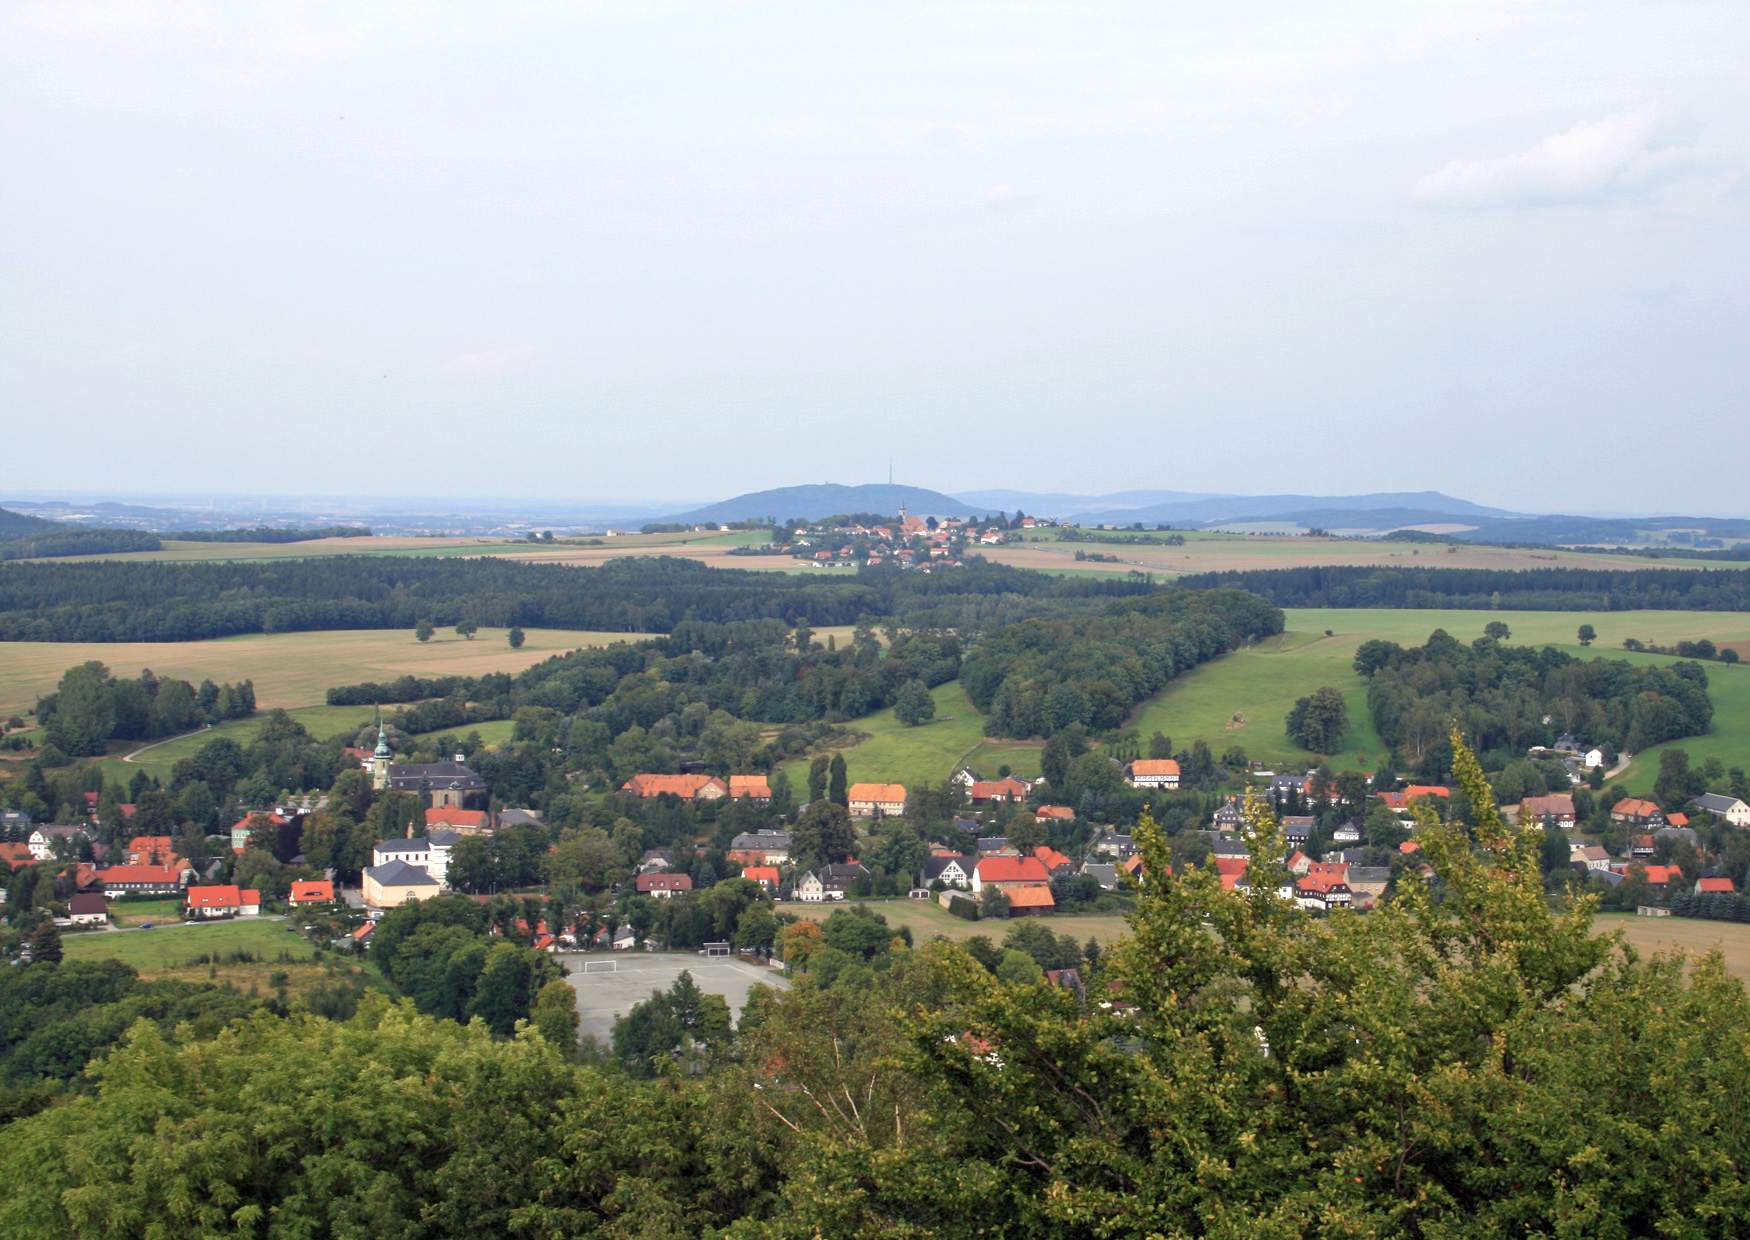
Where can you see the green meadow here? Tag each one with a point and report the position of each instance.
(173, 946)
(893, 753)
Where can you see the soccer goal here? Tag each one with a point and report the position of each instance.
(601, 966)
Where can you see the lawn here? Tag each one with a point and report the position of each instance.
(1261, 682)
(289, 669)
(177, 946)
(133, 912)
(928, 920)
(1691, 934)
(893, 753)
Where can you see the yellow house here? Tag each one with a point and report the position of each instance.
(395, 883)
(867, 800)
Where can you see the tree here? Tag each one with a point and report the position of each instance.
(1588, 635)
(516, 637)
(83, 718)
(837, 786)
(823, 833)
(817, 776)
(1497, 630)
(555, 1015)
(467, 628)
(423, 630)
(914, 705)
(45, 942)
(1319, 720)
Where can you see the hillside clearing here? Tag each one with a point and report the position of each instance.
(893, 753)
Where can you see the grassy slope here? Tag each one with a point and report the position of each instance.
(289, 669)
(894, 753)
(1263, 681)
(322, 722)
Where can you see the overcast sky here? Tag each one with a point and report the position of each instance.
(632, 249)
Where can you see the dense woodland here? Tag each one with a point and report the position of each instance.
(1508, 698)
(91, 707)
(1535, 589)
(1040, 677)
(72, 540)
(186, 601)
(1451, 1064)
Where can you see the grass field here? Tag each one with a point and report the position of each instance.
(176, 946)
(1210, 551)
(160, 759)
(928, 920)
(289, 669)
(894, 753)
(1262, 682)
(133, 912)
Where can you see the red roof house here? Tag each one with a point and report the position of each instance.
(223, 901)
(312, 892)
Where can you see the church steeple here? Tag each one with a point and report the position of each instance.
(380, 759)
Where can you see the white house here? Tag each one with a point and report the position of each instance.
(810, 889)
(1594, 757)
(954, 871)
(1730, 808)
(868, 800)
(42, 841)
(1153, 773)
(87, 908)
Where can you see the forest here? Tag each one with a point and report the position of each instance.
(91, 707)
(1451, 1064)
(1533, 589)
(1507, 698)
(1042, 676)
(186, 601)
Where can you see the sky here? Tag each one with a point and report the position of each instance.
(616, 250)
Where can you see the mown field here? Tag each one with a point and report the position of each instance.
(894, 753)
(1210, 551)
(1261, 683)
(928, 920)
(289, 669)
(176, 946)
(1663, 934)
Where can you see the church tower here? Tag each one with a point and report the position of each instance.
(380, 759)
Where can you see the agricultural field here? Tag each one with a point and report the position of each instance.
(928, 920)
(1207, 551)
(1242, 698)
(289, 669)
(894, 753)
(1690, 934)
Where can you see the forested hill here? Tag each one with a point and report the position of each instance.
(111, 601)
(17, 524)
(830, 498)
(1535, 589)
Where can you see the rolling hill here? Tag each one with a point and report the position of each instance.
(829, 499)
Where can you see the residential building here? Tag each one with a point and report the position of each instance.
(662, 886)
(842, 877)
(45, 841)
(1641, 813)
(1556, 809)
(1054, 862)
(765, 875)
(262, 823)
(1348, 833)
(760, 848)
(1714, 886)
(1005, 872)
(1030, 899)
(87, 908)
(394, 883)
(312, 892)
(750, 787)
(151, 850)
(1103, 873)
(655, 859)
(953, 870)
(1228, 815)
(1152, 773)
(990, 791)
(1298, 828)
(1730, 808)
(206, 903)
(987, 844)
(1054, 813)
(1589, 855)
(153, 880)
(1367, 884)
(869, 800)
(1110, 843)
(684, 787)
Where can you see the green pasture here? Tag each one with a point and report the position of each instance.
(893, 753)
(173, 946)
(160, 759)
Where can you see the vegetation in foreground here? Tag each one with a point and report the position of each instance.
(1464, 1061)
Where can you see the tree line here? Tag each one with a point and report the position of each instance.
(91, 707)
(72, 540)
(1039, 677)
(1532, 589)
(184, 601)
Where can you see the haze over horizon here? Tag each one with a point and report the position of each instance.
(698, 249)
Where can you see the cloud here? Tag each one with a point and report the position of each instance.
(1618, 158)
(490, 361)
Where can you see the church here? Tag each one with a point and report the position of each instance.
(441, 785)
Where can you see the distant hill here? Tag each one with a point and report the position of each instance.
(1235, 508)
(17, 525)
(1063, 504)
(829, 499)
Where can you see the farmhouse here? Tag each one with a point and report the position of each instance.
(1730, 808)
(155, 880)
(1153, 773)
(223, 901)
(1029, 899)
(1556, 809)
(869, 800)
(395, 883)
(765, 875)
(750, 787)
(832, 882)
(989, 791)
(1005, 872)
(685, 787)
(1638, 812)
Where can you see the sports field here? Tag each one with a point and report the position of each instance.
(1260, 683)
(289, 669)
(928, 920)
(608, 985)
(1211, 551)
(177, 944)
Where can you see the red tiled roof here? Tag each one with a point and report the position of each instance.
(663, 882)
(1030, 896)
(755, 786)
(1714, 885)
(990, 789)
(363, 932)
(1049, 857)
(1011, 870)
(1634, 807)
(767, 874)
(17, 854)
(1153, 766)
(450, 816)
(1054, 811)
(1677, 820)
(164, 875)
(313, 892)
(222, 897)
(1659, 875)
(878, 793)
(686, 787)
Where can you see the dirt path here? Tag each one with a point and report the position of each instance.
(134, 753)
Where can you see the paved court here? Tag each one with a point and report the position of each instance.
(603, 994)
